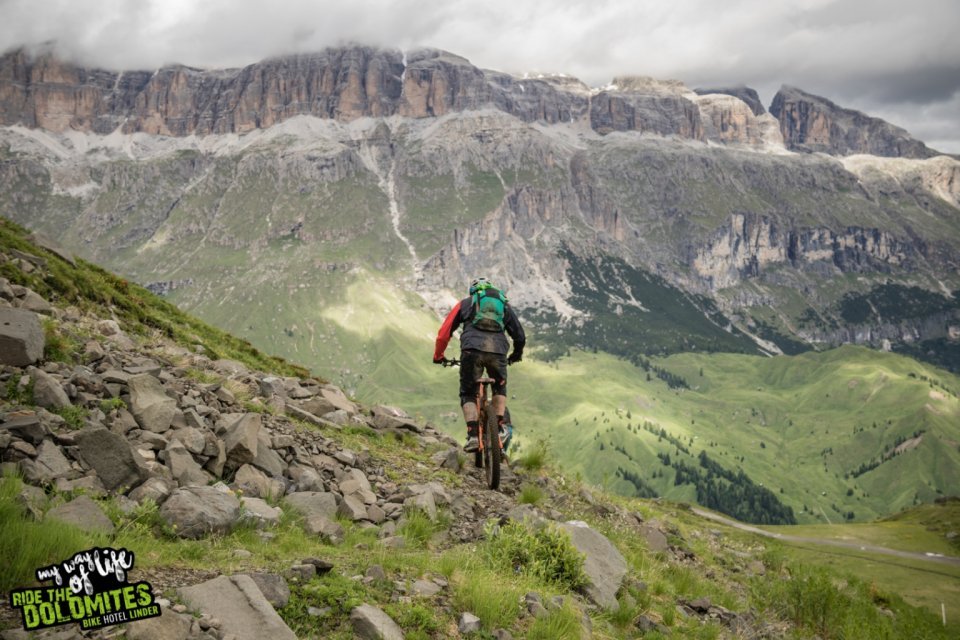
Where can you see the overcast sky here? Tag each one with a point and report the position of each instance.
(892, 59)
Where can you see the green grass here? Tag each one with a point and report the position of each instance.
(27, 545)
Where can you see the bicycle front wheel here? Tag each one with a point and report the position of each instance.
(491, 450)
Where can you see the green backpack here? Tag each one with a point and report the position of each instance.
(488, 309)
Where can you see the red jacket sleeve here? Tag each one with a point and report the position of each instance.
(446, 331)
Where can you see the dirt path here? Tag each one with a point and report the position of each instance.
(929, 557)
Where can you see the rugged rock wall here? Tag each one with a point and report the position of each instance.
(811, 123)
(751, 243)
(348, 83)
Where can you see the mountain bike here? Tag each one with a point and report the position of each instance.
(490, 450)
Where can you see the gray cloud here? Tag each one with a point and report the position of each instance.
(885, 58)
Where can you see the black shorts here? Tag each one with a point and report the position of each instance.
(472, 365)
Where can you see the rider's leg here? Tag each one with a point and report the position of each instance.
(499, 405)
(470, 370)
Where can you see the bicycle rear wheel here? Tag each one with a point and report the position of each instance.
(491, 450)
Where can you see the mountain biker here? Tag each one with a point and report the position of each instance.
(483, 345)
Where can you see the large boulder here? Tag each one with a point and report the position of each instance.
(242, 440)
(371, 623)
(47, 390)
(604, 565)
(310, 503)
(83, 512)
(239, 604)
(152, 408)
(196, 511)
(111, 456)
(21, 337)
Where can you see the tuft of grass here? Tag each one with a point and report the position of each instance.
(545, 553)
(488, 596)
(416, 620)
(26, 544)
(111, 405)
(418, 529)
(530, 494)
(561, 623)
(58, 346)
(536, 459)
(74, 416)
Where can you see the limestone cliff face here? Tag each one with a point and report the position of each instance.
(647, 105)
(814, 124)
(744, 94)
(750, 244)
(348, 83)
(342, 84)
(731, 120)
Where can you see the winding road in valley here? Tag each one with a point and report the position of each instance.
(929, 557)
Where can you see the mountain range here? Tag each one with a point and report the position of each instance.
(328, 207)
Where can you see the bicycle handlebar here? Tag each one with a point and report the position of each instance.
(453, 362)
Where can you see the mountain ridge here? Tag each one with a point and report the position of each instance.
(351, 82)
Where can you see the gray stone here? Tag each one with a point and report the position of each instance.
(84, 513)
(51, 463)
(305, 478)
(254, 482)
(33, 301)
(353, 481)
(324, 527)
(196, 511)
(371, 623)
(183, 467)
(425, 588)
(28, 427)
(112, 457)
(240, 605)
(352, 508)
(155, 489)
(604, 565)
(47, 391)
(301, 572)
(242, 440)
(311, 503)
(152, 408)
(302, 414)
(273, 587)
(656, 540)
(449, 459)
(192, 438)
(90, 485)
(424, 502)
(375, 573)
(268, 459)
(385, 417)
(21, 337)
(468, 623)
(260, 513)
(375, 514)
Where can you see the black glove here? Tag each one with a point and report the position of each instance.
(515, 357)
(439, 360)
